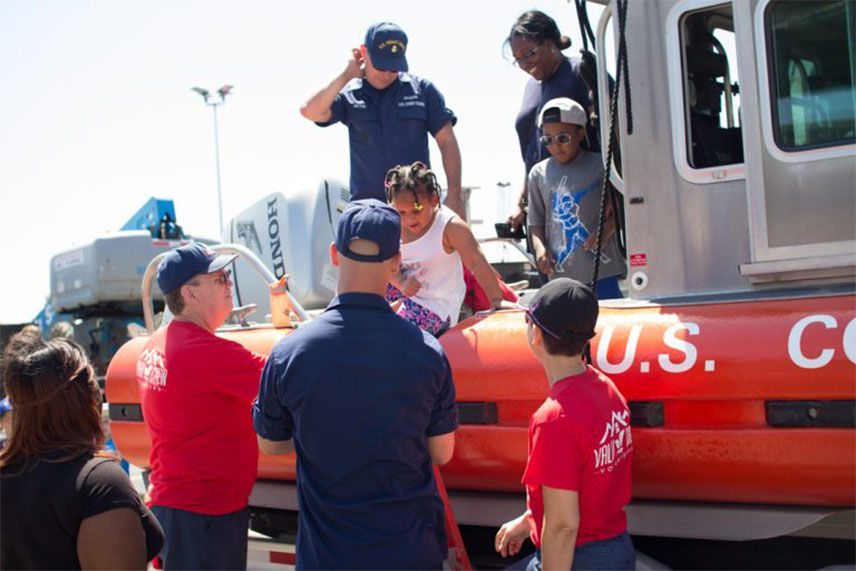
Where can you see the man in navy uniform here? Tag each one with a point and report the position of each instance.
(367, 401)
(389, 114)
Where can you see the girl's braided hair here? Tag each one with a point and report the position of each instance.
(416, 178)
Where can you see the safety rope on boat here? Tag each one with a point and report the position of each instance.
(621, 75)
(585, 26)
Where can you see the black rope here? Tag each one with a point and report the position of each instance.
(620, 71)
(588, 67)
(585, 25)
(580, 20)
(622, 54)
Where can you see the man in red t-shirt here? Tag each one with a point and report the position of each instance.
(197, 391)
(580, 448)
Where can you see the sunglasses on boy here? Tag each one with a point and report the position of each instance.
(562, 139)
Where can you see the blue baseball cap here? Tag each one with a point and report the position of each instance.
(185, 262)
(386, 44)
(372, 220)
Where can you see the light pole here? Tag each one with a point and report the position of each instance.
(222, 92)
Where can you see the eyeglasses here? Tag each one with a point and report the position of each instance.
(529, 316)
(562, 139)
(222, 278)
(524, 59)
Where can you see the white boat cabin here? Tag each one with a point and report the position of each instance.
(740, 172)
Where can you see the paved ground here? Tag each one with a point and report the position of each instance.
(663, 553)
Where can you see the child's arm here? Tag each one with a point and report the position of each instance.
(459, 238)
(543, 258)
(409, 286)
(561, 523)
(537, 217)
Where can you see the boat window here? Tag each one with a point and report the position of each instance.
(711, 88)
(811, 47)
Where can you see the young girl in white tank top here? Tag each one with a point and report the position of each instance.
(435, 243)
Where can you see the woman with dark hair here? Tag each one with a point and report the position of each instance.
(536, 46)
(64, 504)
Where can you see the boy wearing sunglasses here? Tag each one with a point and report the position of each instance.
(577, 474)
(564, 202)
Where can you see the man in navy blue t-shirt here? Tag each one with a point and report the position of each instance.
(367, 401)
(389, 114)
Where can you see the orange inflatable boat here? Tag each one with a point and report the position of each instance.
(746, 401)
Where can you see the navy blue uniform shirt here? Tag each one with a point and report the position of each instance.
(387, 128)
(360, 390)
(566, 82)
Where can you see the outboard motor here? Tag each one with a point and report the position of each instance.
(291, 233)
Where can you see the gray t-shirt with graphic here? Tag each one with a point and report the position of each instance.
(565, 200)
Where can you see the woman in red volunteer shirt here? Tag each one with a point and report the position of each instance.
(580, 447)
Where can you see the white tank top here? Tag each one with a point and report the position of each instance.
(441, 274)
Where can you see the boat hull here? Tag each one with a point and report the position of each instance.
(707, 385)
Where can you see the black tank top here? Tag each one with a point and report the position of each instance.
(41, 509)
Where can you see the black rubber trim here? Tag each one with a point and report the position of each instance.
(642, 414)
(126, 412)
(646, 414)
(477, 413)
(811, 413)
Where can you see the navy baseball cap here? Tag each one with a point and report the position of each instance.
(372, 220)
(386, 44)
(565, 309)
(183, 263)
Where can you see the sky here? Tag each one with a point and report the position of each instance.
(97, 115)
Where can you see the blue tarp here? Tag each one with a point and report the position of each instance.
(148, 217)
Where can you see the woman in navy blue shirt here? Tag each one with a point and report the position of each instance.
(536, 46)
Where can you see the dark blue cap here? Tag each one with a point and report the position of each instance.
(372, 220)
(386, 44)
(185, 262)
